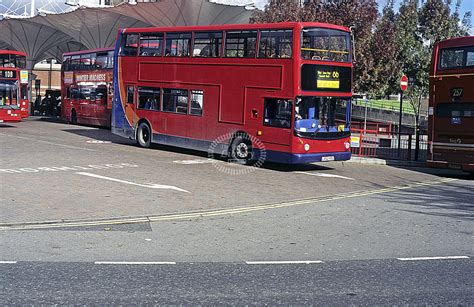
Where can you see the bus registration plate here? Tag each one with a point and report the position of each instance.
(327, 158)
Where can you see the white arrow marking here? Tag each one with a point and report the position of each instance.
(150, 186)
(325, 175)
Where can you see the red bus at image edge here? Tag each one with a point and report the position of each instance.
(13, 86)
(451, 105)
(288, 85)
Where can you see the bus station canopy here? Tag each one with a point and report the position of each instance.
(50, 35)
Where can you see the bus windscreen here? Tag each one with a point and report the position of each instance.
(326, 45)
(456, 58)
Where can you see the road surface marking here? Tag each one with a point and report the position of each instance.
(285, 262)
(47, 142)
(150, 186)
(98, 142)
(136, 262)
(433, 258)
(7, 262)
(217, 212)
(195, 161)
(73, 168)
(324, 175)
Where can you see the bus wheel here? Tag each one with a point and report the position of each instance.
(73, 117)
(144, 135)
(241, 150)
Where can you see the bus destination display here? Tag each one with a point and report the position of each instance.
(10, 74)
(323, 78)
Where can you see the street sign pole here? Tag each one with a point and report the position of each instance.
(403, 88)
(400, 124)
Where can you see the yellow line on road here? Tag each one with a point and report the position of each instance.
(218, 212)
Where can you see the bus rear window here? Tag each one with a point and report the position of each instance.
(455, 110)
(326, 45)
(456, 58)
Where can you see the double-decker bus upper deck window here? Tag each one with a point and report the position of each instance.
(325, 45)
(129, 45)
(151, 44)
(20, 61)
(75, 62)
(456, 58)
(178, 44)
(241, 44)
(207, 44)
(66, 62)
(275, 44)
(7, 60)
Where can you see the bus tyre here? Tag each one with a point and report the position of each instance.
(144, 135)
(73, 117)
(241, 150)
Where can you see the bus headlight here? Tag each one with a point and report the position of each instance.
(306, 147)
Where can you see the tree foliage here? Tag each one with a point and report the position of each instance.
(387, 45)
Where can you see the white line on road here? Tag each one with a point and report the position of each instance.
(47, 142)
(7, 262)
(325, 175)
(135, 262)
(432, 258)
(285, 262)
(150, 186)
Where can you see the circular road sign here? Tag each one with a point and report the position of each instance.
(404, 83)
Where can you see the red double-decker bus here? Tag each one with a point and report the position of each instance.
(86, 87)
(283, 89)
(13, 86)
(451, 108)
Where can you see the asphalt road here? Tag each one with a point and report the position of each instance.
(73, 196)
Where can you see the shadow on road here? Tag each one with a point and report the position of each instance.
(454, 200)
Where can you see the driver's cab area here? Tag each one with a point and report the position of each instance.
(321, 117)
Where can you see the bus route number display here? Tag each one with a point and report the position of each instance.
(8, 74)
(325, 78)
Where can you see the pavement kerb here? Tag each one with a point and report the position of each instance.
(378, 161)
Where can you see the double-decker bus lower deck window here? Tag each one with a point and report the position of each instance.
(197, 102)
(207, 44)
(178, 44)
(275, 44)
(130, 94)
(241, 44)
(8, 93)
(277, 113)
(175, 101)
(149, 98)
(449, 110)
(456, 58)
(151, 44)
(325, 45)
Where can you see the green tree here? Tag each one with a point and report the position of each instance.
(278, 11)
(383, 77)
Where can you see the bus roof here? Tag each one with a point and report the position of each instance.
(88, 51)
(254, 26)
(457, 42)
(13, 52)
